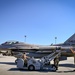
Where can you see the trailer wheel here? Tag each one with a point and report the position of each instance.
(54, 67)
(31, 68)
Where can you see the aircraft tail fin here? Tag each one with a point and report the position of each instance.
(71, 40)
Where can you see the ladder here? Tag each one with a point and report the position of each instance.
(48, 58)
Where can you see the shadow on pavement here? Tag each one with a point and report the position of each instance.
(65, 71)
(8, 63)
(13, 69)
(67, 65)
(25, 70)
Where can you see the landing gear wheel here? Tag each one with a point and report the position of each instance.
(31, 68)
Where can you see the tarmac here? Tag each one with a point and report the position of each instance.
(8, 67)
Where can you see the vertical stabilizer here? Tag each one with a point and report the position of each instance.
(71, 40)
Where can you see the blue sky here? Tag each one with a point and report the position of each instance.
(40, 20)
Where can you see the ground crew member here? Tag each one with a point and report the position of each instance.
(73, 53)
(24, 57)
(56, 62)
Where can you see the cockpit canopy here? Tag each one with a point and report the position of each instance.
(10, 42)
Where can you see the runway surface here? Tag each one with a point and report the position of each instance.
(8, 67)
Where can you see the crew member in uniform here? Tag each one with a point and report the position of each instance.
(56, 62)
(25, 57)
(74, 55)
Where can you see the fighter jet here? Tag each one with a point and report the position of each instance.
(15, 47)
